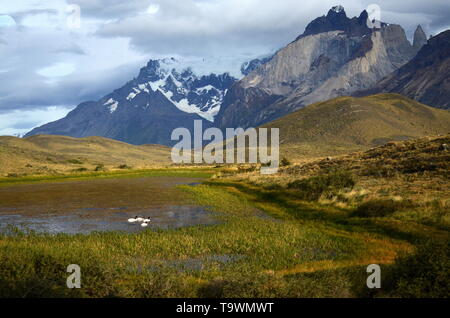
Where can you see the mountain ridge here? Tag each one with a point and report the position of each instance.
(335, 56)
(346, 124)
(148, 108)
(425, 78)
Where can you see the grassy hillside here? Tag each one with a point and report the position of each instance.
(53, 154)
(411, 176)
(346, 124)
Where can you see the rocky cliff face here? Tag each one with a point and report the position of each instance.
(336, 56)
(252, 65)
(426, 78)
(163, 97)
(420, 38)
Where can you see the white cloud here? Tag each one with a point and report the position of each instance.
(21, 121)
(153, 9)
(57, 70)
(45, 63)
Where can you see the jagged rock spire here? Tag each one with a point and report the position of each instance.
(420, 38)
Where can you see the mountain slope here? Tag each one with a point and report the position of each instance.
(426, 78)
(163, 97)
(49, 154)
(347, 124)
(334, 57)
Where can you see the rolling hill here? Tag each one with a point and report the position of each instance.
(347, 124)
(44, 154)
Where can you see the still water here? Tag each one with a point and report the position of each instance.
(86, 206)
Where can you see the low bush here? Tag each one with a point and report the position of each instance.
(75, 161)
(32, 273)
(100, 167)
(285, 162)
(245, 169)
(425, 274)
(312, 188)
(380, 208)
(82, 169)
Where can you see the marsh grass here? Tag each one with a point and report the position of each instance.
(87, 175)
(276, 255)
(275, 243)
(424, 274)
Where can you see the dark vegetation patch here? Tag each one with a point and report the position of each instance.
(425, 274)
(100, 167)
(380, 208)
(75, 161)
(312, 188)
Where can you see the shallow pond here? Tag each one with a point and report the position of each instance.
(86, 206)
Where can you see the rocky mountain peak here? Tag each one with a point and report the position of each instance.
(420, 38)
(166, 94)
(337, 20)
(425, 77)
(336, 11)
(363, 17)
(157, 69)
(250, 66)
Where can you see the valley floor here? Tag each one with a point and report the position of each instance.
(310, 231)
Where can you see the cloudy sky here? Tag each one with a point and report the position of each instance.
(55, 54)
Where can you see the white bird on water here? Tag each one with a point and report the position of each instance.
(145, 224)
(140, 219)
(133, 220)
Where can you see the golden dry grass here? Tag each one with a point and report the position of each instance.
(60, 154)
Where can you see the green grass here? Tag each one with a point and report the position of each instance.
(188, 173)
(266, 243)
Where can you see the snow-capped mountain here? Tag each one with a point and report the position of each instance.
(201, 95)
(165, 95)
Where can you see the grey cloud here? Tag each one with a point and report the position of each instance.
(111, 9)
(70, 91)
(71, 48)
(222, 28)
(232, 27)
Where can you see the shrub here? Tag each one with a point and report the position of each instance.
(272, 186)
(425, 274)
(245, 169)
(380, 208)
(124, 166)
(75, 161)
(82, 169)
(312, 188)
(285, 162)
(25, 272)
(100, 167)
